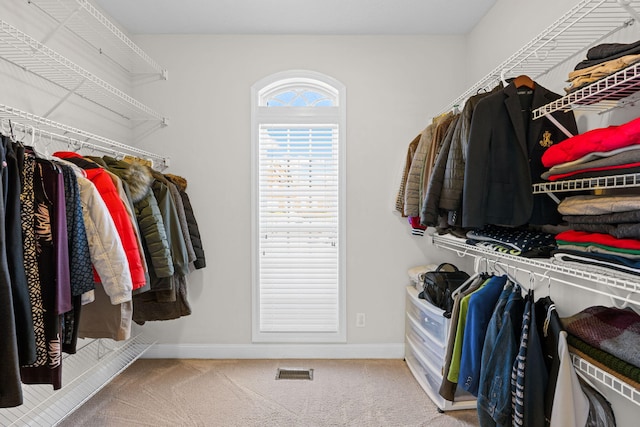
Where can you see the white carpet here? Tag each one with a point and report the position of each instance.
(156, 392)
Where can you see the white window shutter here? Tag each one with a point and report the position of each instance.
(298, 228)
(298, 208)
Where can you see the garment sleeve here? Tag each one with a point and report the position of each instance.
(476, 171)
(105, 247)
(154, 235)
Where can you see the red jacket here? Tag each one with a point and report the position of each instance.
(601, 139)
(109, 194)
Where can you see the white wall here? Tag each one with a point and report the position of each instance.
(391, 95)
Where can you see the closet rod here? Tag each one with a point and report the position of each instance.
(512, 271)
(73, 143)
(7, 112)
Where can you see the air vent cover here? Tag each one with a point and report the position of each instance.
(294, 374)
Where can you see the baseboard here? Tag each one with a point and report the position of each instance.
(275, 351)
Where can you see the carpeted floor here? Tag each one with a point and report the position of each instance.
(245, 393)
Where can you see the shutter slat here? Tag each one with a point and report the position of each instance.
(298, 226)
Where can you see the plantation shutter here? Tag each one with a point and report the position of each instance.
(298, 224)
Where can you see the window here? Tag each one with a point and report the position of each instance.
(298, 208)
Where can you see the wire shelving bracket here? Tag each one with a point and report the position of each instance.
(601, 95)
(26, 52)
(84, 374)
(603, 377)
(87, 22)
(583, 26)
(596, 183)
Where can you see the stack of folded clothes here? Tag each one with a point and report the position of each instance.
(519, 241)
(604, 231)
(606, 151)
(608, 338)
(602, 61)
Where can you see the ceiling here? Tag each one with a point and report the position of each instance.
(296, 16)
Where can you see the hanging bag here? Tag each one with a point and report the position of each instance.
(438, 286)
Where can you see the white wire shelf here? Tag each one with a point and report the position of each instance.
(78, 138)
(627, 283)
(84, 20)
(31, 55)
(603, 377)
(614, 181)
(83, 375)
(584, 26)
(602, 95)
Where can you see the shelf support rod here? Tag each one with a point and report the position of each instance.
(63, 23)
(64, 98)
(558, 125)
(626, 5)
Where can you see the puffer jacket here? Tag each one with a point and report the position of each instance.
(411, 151)
(105, 248)
(451, 196)
(194, 231)
(431, 206)
(116, 208)
(430, 160)
(125, 196)
(412, 186)
(150, 222)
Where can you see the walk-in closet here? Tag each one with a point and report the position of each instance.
(274, 213)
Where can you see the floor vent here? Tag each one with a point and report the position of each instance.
(294, 374)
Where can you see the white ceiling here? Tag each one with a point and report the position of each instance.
(297, 16)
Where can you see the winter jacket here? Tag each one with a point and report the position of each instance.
(430, 207)
(412, 187)
(116, 208)
(411, 151)
(194, 231)
(172, 227)
(180, 216)
(451, 197)
(139, 180)
(125, 196)
(432, 154)
(105, 247)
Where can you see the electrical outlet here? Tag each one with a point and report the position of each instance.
(360, 320)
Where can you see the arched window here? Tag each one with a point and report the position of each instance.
(298, 208)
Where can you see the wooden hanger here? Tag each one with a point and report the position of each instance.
(525, 81)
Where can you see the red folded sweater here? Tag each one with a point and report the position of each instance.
(601, 139)
(598, 238)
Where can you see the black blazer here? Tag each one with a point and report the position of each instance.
(504, 160)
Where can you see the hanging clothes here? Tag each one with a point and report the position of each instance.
(494, 392)
(10, 388)
(481, 307)
(12, 187)
(53, 265)
(504, 158)
(192, 224)
(117, 210)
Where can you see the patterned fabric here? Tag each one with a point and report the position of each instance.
(614, 330)
(520, 239)
(80, 259)
(518, 370)
(27, 213)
